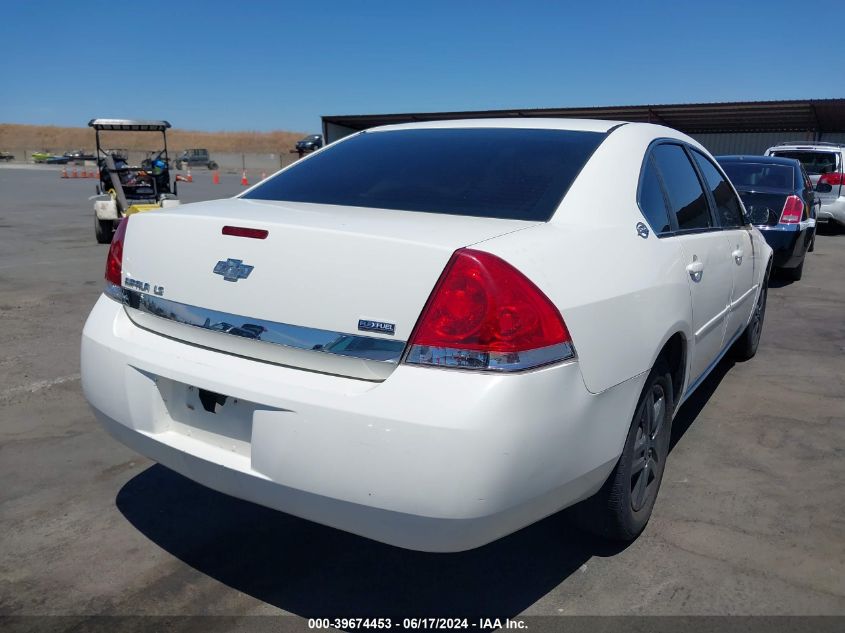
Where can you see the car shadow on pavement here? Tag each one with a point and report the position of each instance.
(776, 281)
(316, 571)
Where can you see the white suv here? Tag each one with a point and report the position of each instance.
(825, 164)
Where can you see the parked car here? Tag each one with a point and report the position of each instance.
(48, 158)
(310, 143)
(780, 201)
(79, 155)
(536, 329)
(825, 164)
(6, 156)
(194, 158)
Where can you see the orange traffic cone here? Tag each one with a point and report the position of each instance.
(190, 178)
(91, 174)
(64, 172)
(83, 173)
(215, 179)
(73, 174)
(244, 181)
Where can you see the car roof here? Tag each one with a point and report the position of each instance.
(539, 123)
(747, 158)
(808, 145)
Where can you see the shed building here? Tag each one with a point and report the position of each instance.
(748, 127)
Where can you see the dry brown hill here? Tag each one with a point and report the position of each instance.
(61, 139)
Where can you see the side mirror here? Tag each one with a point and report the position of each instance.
(759, 215)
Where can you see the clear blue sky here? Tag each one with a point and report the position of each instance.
(280, 65)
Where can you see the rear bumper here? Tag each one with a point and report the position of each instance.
(833, 210)
(787, 242)
(429, 459)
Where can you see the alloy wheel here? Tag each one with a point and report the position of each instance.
(757, 317)
(648, 448)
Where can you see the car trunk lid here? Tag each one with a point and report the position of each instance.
(330, 288)
(756, 201)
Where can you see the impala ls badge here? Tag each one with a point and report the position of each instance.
(232, 269)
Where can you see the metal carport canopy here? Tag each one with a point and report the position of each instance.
(816, 115)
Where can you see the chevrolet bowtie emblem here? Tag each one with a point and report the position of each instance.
(232, 269)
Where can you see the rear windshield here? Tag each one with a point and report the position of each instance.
(484, 172)
(760, 176)
(814, 162)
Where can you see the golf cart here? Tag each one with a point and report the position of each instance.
(124, 189)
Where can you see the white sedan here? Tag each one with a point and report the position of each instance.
(435, 334)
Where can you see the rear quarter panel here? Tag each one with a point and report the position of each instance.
(622, 296)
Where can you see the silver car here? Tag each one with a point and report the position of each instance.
(825, 164)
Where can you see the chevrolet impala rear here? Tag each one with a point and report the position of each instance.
(429, 335)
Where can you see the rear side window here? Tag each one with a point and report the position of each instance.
(651, 199)
(728, 207)
(519, 174)
(815, 163)
(808, 185)
(683, 187)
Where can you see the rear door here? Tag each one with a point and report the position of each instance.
(737, 234)
(707, 252)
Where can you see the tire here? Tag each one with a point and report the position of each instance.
(103, 230)
(621, 509)
(793, 274)
(812, 245)
(212, 165)
(746, 345)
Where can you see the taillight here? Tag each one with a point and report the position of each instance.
(485, 314)
(114, 261)
(833, 179)
(793, 210)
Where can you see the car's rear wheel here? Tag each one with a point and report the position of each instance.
(103, 230)
(212, 165)
(622, 507)
(746, 345)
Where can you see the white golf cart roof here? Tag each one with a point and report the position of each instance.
(129, 125)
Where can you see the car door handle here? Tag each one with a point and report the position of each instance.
(738, 253)
(695, 270)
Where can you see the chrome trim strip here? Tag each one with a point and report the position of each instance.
(426, 356)
(294, 336)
